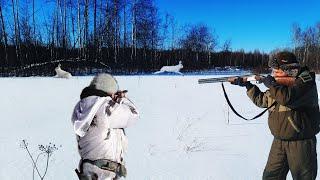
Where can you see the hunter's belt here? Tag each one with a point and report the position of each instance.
(106, 164)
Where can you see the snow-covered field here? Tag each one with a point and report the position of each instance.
(186, 130)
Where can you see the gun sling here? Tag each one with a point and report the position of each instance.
(232, 108)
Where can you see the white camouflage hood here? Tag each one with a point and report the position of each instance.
(84, 113)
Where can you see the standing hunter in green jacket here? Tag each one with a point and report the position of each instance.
(293, 120)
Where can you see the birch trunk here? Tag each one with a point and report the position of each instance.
(86, 29)
(15, 30)
(79, 31)
(4, 35)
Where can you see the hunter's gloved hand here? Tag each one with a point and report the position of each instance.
(118, 95)
(239, 81)
(269, 81)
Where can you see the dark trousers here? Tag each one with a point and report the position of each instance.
(300, 157)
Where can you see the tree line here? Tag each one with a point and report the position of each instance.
(124, 35)
(306, 42)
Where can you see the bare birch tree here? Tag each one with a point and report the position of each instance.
(125, 24)
(133, 30)
(86, 28)
(16, 30)
(95, 28)
(79, 30)
(4, 35)
(34, 21)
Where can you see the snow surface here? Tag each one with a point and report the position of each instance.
(186, 130)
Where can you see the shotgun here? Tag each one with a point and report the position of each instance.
(287, 80)
(231, 79)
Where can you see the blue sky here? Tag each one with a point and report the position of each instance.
(250, 24)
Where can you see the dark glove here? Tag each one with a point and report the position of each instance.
(239, 81)
(269, 81)
(118, 95)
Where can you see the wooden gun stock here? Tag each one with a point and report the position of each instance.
(286, 81)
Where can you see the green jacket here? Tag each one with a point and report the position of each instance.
(296, 114)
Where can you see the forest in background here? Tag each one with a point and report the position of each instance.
(121, 36)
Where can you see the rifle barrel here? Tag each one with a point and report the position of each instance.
(213, 80)
(229, 79)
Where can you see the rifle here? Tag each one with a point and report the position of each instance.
(287, 80)
(231, 79)
(120, 92)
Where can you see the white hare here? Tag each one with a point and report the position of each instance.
(61, 73)
(174, 69)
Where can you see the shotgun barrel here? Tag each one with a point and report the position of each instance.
(230, 79)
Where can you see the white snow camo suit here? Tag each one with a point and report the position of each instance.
(99, 124)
